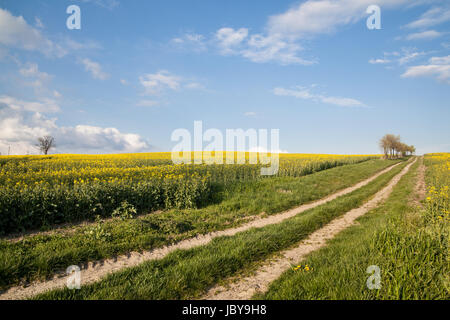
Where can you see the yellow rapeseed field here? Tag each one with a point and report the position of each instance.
(438, 181)
(44, 190)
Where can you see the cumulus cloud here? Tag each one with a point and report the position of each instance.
(97, 139)
(95, 69)
(305, 93)
(22, 122)
(437, 67)
(16, 32)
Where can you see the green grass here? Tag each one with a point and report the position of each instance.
(412, 255)
(40, 256)
(188, 273)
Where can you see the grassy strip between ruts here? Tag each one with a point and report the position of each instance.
(40, 256)
(189, 273)
(412, 257)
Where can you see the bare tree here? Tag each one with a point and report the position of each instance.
(393, 147)
(390, 144)
(384, 144)
(403, 149)
(45, 144)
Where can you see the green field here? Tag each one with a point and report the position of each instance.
(406, 239)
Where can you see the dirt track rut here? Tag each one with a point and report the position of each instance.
(245, 288)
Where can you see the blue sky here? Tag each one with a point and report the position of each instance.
(138, 70)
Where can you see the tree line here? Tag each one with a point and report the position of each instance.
(393, 147)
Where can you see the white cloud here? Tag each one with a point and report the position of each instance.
(98, 140)
(304, 93)
(162, 81)
(280, 41)
(432, 17)
(314, 17)
(404, 56)
(158, 82)
(45, 105)
(95, 69)
(409, 56)
(193, 41)
(16, 126)
(108, 4)
(424, 35)
(38, 23)
(259, 48)
(124, 82)
(31, 70)
(379, 61)
(250, 114)
(77, 45)
(274, 48)
(21, 123)
(229, 39)
(440, 60)
(16, 32)
(256, 48)
(437, 67)
(283, 31)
